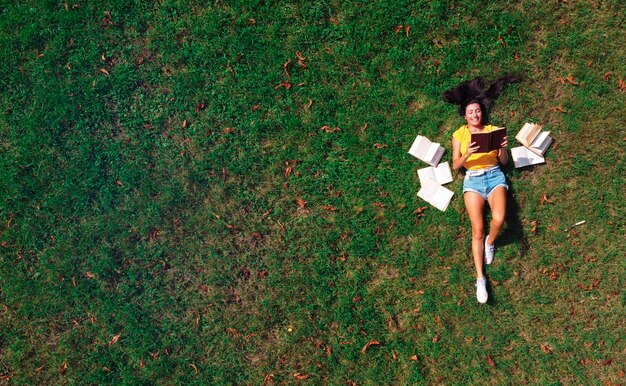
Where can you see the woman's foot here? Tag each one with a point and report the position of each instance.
(481, 290)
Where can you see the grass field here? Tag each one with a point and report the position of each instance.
(220, 193)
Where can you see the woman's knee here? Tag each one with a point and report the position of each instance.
(497, 218)
(478, 233)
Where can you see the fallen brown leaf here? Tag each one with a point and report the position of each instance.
(398, 28)
(372, 342)
(490, 361)
(407, 30)
(544, 199)
(534, 225)
(502, 41)
(286, 85)
(413, 358)
(89, 275)
(300, 377)
(300, 202)
(103, 71)
(546, 349)
(114, 339)
(568, 80)
(63, 368)
(328, 129)
(301, 59)
(622, 85)
(380, 146)
(286, 68)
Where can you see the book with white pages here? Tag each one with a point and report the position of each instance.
(427, 151)
(541, 143)
(440, 173)
(435, 194)
(523, 157)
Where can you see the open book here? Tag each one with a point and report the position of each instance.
(524, 157)
(531, 136)
(440, 173)
(429, 152)
(435, 194)
(489, 141)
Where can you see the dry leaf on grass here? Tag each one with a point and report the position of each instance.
(301, 203)
(114, 339)
(286, 85)
(534, 225)
(286, 68)
(63, 368)
(372, 342)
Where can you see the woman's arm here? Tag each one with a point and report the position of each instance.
(503, 155)
(458, 159)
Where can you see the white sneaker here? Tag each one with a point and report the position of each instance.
(481, 290)
(489, 250)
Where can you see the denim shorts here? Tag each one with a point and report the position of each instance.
(484, 181)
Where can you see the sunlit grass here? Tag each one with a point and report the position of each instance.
(222, 194)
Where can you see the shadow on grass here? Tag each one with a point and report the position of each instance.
(514, 232)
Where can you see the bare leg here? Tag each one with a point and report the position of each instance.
(497, 202)
(475, 205)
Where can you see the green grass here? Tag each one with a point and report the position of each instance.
(171, 214)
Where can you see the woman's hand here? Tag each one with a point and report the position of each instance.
(503, 156)
(505, 142)
(471, 149)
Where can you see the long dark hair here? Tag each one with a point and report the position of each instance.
(475, 91)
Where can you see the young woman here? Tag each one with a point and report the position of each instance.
(484, 181)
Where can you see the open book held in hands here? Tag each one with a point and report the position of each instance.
(535, 140)
(429, 152)
(524, 157)
(489, 141)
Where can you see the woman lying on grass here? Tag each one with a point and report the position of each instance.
(484, 181)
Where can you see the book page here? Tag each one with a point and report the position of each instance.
(424, 173)
(541, 143)
(419, 147)
(441, 174)
(435, 194)
(523, 157)
(442, 198)
(528, 133)
(434, 153)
